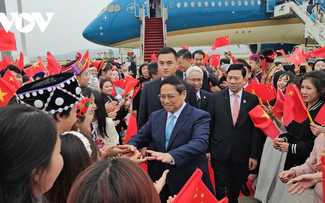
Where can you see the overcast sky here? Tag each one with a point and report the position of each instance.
(64, 32)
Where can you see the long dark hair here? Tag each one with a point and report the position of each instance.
(318, 80)
(27, 141)
(76, 159)
(114, 180)
(100, 113)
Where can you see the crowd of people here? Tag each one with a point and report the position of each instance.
(62, 136)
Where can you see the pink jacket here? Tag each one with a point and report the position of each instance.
(307, 167)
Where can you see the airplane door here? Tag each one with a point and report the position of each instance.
(138, 4)
(270, 4)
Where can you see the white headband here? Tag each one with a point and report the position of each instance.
(83, 139)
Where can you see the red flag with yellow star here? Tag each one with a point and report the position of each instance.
(135, 92)
(265, 91)
(153, 57)
(35, 68)
(120, 83)
(278, 106)
(320, 118)
(130, 84)
(20, 63)
(85, 58)
(6, 92)
(7, 41)
(195, 191)
(318, 52)
(53, 65)
(10, 78)
(263, 121)
(251, 86)
(220, 42)
(296, 57)
(294, 107)
(206, 58)
(215, 60)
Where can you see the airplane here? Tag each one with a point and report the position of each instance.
(199, 22)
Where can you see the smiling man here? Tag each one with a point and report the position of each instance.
(180, 134)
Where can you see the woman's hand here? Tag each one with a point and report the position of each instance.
(285, 176)
(316, 129)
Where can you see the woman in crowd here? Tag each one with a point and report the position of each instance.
(144, 77)
(104, 70)
(299, 141)
(30, 158)
(115, 75)
(319, 64)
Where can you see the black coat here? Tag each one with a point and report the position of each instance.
(205, 99)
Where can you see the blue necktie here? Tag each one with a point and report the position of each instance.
(169, 129)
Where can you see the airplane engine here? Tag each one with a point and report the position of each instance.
(256, 48)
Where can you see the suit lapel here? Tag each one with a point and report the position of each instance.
(226, 101)
(183, 117)
(162, 118)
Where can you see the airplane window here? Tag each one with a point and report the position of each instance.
(213, 4)
(171, 5)
(192, 4)
(233, 3)
(246, 3)
(199, 4)
(113, 8)
(185, 4)
(259, 2)
(206, 4)
(239, 3)
(219, 3)
(226, 3)
(253, 2)
(178, 5)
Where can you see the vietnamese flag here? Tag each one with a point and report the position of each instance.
(251, 86)
(278, 106)
(265, 91)
(220, 42)
(7, 41)
(283, 54)
(6, 92)
(235, 61)
(195, 191)
(306, 55)
(294, 106)
(130, 84)
(206, 58)
(318, 52)
(263, 121)
(215, 60)
(35, 68)
(85, 58)
(53, 66)
(135, 92)
(10, 78)
(185, 47)
(153, 57)
(4, 62)
(323, 174)
(20, 62)
(320, 118)
(296, 58)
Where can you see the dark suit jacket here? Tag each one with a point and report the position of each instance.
(205, 98)
(188, 144)
(150, 102)
(133, 68)
(205, 85)
(241, 141)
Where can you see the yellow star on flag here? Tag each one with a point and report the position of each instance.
(202, 195)
(291, 93)
(297, 58)
(253, 92)
(2, 94)
(265, 115)
(11, 79)
(195, 193)
(36, 65)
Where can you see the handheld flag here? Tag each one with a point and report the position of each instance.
(283, 54)
(20, 62)
(251, 88)
(323, 174)
(53, 65)
(153, 57)
(318, 52)
(185, 47)
(278, 106)
(296, 58)
(320, 118)
(6, 92)
(130, 84)
(10, 78)
(7, 41)
(265, 91)
(206, 58)
(135, 92)
(215, 60)
(220, 42)
(35, 68)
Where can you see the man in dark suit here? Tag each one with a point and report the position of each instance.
(195, 77)
(133, 67)
(209, 76)
(234, 140)
(183, 62)
(180, 134)
(149, 101)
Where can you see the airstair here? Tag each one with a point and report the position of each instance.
(313, 29)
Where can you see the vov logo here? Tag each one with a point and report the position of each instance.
(32, 18)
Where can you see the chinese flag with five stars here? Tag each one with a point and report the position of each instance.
(318, 52)
(130, 84)
(10, 78)
(206, 58)
(135, 92)
(263, 121)
(185, 47)
(278, 106)
(195, 191)
(53, 65)
(320, 118)
(220, 42)
(215, 60)
(265, 91)
(120, 83)
(296, 57)
(6, 92)
(154, 57)
(7, 41)
(294, 107)
(251, 86)
(36, 68)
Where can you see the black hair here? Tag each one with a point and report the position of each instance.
(278, 63)
(100, 113)
(237, 67)
(198, 52)
(224, 61)
(119, 76)
(27, 141)
(102, 82)
(318, 80)
(266, 52)
(186, 54)
(279, 74)
(104, 70)
(86, 92)
(140, 68)
(13, 68)
(152, 68)
(167, 50)
(176, 81)
(322, 59)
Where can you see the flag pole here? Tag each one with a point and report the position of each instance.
(260, 99)
(310, 119)
(268, 103)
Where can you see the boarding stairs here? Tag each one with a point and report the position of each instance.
(313, 29)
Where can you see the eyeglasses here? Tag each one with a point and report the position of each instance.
(199, 80)
(171, 97)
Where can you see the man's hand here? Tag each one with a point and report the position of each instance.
(111, 149)
(215, 88)
(303, 182)
(159, 184)
(135, 113)
(283, 146)
(208, 155)
(112, 115)
(163, 157)
(252, 163)
(316, 129)
(137, 157)
(204, 69)
(285, 176)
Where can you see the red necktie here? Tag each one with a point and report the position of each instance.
(235, 110)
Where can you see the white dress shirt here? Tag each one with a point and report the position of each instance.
(232, 98)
